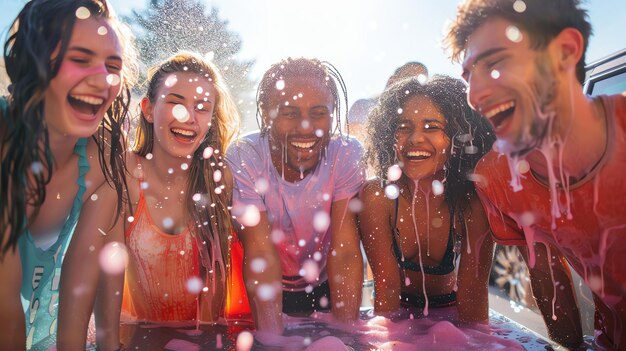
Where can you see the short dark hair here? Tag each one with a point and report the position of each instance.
(298, 67)
(542, 20)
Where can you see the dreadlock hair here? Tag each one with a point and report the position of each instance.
(40, 28)
(470, 134)
(210, 215)
(542, 20)
(303, 67)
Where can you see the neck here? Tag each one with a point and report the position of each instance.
(577, 143)
(62, 148)
(425, 188)
(166, 171)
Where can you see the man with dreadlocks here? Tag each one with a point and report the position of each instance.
(294, 181)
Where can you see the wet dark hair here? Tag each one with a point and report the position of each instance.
(470, 134)
(40, 28)
(301, 67)
(542, 20)
(210, 215)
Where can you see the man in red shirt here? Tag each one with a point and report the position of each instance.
(553, 181)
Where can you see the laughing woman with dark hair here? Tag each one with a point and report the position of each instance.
(422, 212)
(69, 95)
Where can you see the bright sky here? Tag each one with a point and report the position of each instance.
(365, 39)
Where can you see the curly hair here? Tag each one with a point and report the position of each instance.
(298, 67)
(470, 135)
(212, 223)
(542, 20)
(40, 28)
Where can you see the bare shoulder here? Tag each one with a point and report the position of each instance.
(372, 189)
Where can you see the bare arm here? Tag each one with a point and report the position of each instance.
(12, 323)
(473, 275)
(564, 326)
(257, 244)
(81, 277)
(374, 225)
(345, 263)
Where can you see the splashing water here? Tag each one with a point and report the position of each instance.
(321, 221)
(113, 258)
(244, 341)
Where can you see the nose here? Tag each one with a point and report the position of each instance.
(99, 77)
(305, 125)
(417, 137)
(479, 90)
(191, 111)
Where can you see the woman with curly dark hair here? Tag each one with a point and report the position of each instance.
(421, 211)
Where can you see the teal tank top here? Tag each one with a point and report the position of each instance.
(41, 269)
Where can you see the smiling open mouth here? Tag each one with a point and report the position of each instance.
(85, 104)
(184, 134)
(303, 145)
(418, 155)
(500, 114)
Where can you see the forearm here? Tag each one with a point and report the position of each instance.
(12, 323)
(473, 279)
(345, 278)
(559, 312)
(264, 287)
(107, 311)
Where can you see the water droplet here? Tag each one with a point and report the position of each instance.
(258, 265)
(514, 34)
(180, 113)
(217, 176)
(102, 30)
(394, 173)
(392, 191)
(317, 256)
(113, 258)
(310, 271)
(319, 133)
(523, 166)
(280, 84)
(83, 13)
(251, 216)
(265, 292)
(208, 151)
(36, 167)
(113, 79)
(323, 301)
(321, 221)
(168, 222)
(94, 197)
(355, 205)
(184, 166)
(199, 90)
(131, 219)
(422, 78)
(519, 6)
(437, 187)
(244, 341)
(261, 185)
(471, 149)
(400, 111)
(495, 74)
(277, 236)
(171, 80)
(305, 124)
(194, 285)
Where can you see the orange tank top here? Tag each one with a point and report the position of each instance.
(159, 267)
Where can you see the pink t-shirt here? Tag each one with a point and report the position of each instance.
(292, 207)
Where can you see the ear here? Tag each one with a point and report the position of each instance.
(568, 47)
(147, 109)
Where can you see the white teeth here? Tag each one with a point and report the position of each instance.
(183, 132)
(303, 145)
(419, 153)
(88, 99)
(494, 111)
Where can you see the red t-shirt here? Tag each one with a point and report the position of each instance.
(593, 238)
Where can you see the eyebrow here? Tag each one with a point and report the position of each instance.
(176, 95)
(479, 58)
(91, 52)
